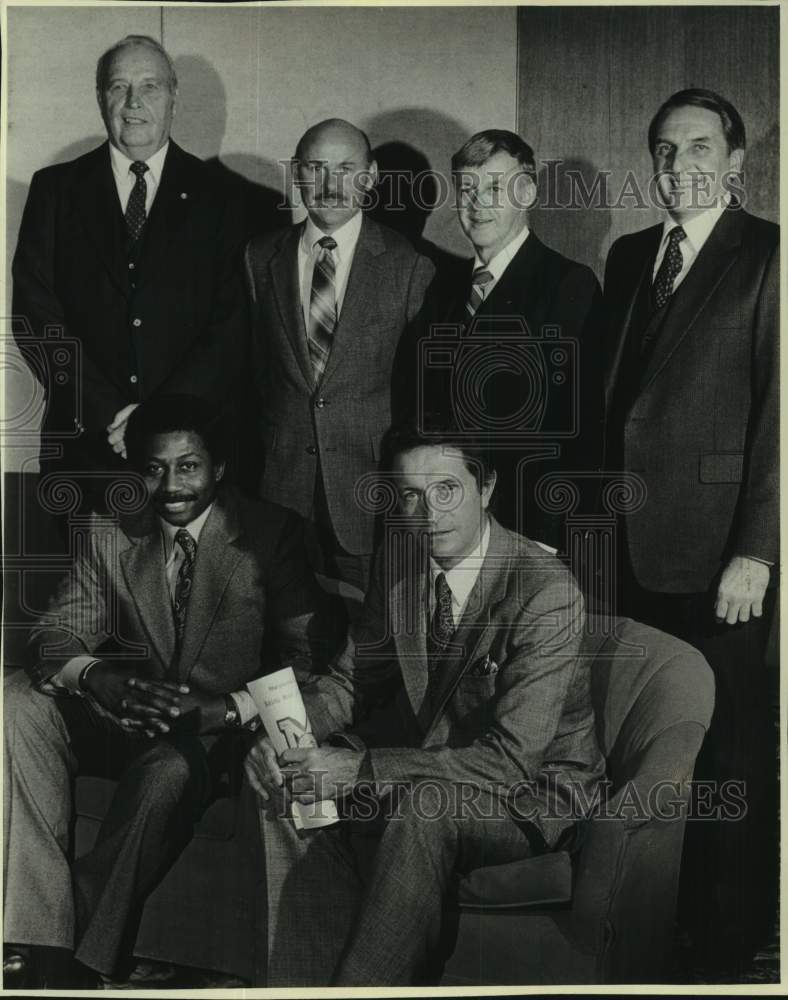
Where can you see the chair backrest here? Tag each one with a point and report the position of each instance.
(643, 681)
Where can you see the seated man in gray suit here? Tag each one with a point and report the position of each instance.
(131, 675)
(479, 746)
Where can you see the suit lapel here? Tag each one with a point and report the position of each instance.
(641, 272)
(143, 568)
(178, 196)
(287, 292)
(408, 621)
(716, 258)
(479, 613)
(217, 558)
(518, 290)
(365, 274)
(99, 213)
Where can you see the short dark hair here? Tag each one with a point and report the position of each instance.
(442, 432)
(105, 60)
(697, 97)
(174, 412)
(481, 146)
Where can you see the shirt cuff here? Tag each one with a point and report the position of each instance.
(68, 676)
(247, 710)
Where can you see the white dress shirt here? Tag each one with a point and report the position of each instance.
(125, 179)
(698, 230)
(461, 578)
(308, 251)
(501, 260)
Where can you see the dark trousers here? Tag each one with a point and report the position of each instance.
(730, 870)
(91, 905)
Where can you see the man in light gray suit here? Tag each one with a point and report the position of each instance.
(331, 298)
(136, 672)
(479, 744)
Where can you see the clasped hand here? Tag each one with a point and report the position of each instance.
(307, 775)
(151, 707)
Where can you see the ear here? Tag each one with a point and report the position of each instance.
(525, 192)
(488, 489)
(369, 177)
(218, 472)
(736, 160)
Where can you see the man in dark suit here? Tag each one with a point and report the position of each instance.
(127, 275)
(136, 673)
(692, 408)
(466, 658)
(331, 298)
(525, 371)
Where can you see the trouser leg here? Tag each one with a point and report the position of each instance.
(313, 893)
(429, 837)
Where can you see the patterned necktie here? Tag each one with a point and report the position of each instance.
(670, 267)
(442, 626)
(322, 307)
(135, 207)
(479, 280)
(183, 584)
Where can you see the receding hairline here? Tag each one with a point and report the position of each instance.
(107, 58)
(341, 127)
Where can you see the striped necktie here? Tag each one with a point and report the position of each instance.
(135, 206)
(479, 281)
(183, 585)
(670, 267)
(442, 626)
(322, 307)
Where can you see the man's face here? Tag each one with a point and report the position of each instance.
(691, 160)
(333, 176)
(438, 491)
(492, 201)
(136, 103)
(180, 475)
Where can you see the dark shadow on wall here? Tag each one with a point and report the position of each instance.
(413, 148)
(199, 127)
(571, 213)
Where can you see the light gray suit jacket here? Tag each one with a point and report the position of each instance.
(254, 601)
(335, 427)
(524, 730)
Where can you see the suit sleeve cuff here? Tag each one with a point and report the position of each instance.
(68, 676)
(247, 710)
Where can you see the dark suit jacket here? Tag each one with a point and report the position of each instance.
(529, 727)
(254, 602)
(71, 272)
(558, 392)
(337, 426)
(702, 429)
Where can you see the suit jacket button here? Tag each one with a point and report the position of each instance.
(311, 450)
(320, 403)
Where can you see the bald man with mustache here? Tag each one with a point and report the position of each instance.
(331, 298)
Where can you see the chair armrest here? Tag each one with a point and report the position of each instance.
(627, 871)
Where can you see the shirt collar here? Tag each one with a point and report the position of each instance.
(346, 236)
(169, 531)
(121, 163)
(698, 229)
(462, 577)
(504, 257)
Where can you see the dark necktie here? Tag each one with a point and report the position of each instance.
(442, 625)
(183, 584)
(670, 267)
(135, 207)
(322, 307)
(479, 280)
